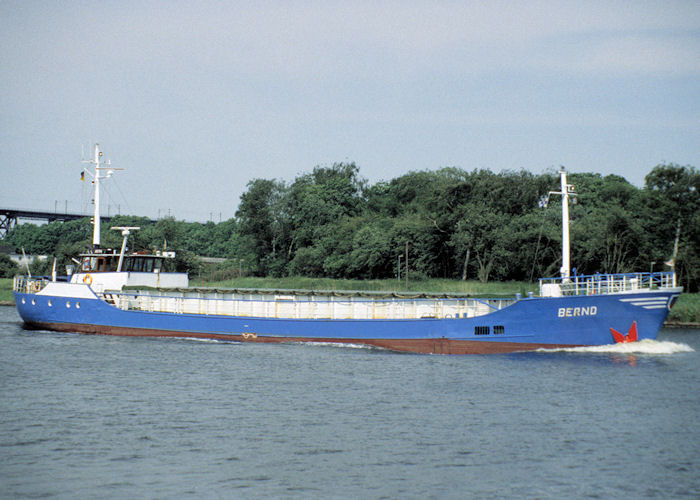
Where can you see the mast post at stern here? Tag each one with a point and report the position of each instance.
(567, 190)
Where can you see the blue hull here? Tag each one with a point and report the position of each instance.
(527, 324)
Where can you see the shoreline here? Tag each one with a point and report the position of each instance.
(680, 324)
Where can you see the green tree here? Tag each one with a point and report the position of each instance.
(263, 224)
(372, 251)
(485, 233)
(606, 231)
(672, 196)
(316, 203)
(8, 268)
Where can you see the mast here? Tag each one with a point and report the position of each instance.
(96, 180)
(96, 225)
(567, 190)
(565, 242)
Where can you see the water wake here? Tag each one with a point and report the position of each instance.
(340, 344)
(211, 341)
(652, 347)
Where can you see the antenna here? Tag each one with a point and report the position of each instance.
(126, 230)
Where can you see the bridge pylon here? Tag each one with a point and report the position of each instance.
(7, 222)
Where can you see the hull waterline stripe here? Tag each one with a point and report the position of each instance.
(418, 346)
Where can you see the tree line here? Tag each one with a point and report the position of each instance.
(448, 223)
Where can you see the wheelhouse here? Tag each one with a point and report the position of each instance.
(107, 261)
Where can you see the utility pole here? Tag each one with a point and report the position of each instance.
(466, 264)
(407, 266)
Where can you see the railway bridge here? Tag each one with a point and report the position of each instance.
(10, 216)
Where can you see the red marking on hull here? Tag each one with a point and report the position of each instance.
(419, 346)
(630, 337)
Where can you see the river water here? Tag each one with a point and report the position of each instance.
(93, 416)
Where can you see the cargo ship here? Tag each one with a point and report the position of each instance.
(117, 292)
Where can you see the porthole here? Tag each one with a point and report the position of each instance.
(33, 302)
(50, 304)
(23, 301)
(68, 304)
(77, 305)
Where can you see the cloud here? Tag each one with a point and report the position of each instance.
(669, 55)
(325, 40)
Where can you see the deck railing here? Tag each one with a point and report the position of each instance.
(25, 284)
(606, 283)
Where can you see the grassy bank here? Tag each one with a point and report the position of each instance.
(6, 291)
(390, 285)
(686, 310)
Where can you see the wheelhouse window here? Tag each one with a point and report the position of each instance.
(88, 263)
(142, 264)
(98, 264)
(132, 263)
(147, 265)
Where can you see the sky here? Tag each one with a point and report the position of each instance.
(196, 99)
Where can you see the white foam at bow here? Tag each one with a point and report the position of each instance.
(642, 347)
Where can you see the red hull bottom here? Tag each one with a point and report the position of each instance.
(420, 346)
